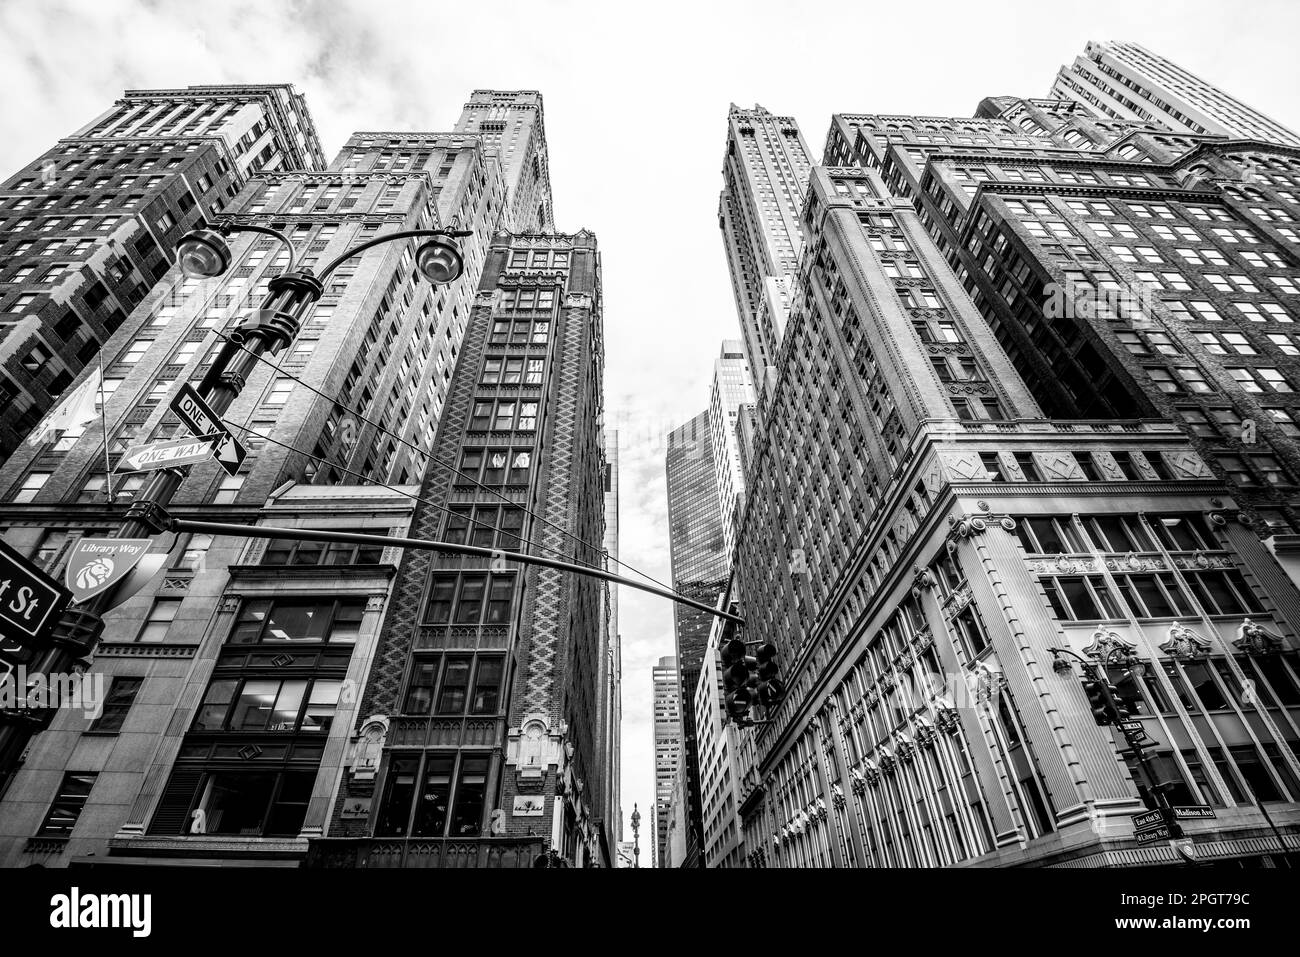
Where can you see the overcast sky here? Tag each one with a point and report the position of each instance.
(636, 102)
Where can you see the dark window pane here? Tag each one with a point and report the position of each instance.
(212, 713)
(1202, 682)
(455, 684)
(399, 790)
(471, 790)
(431, 817)
(237, 803)
(419, 694)
(487, 686)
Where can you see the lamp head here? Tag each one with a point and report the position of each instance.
(439, 260)
(203, 253)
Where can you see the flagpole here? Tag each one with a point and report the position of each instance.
(103, 422)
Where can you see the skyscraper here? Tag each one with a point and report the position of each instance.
(983, 491)
(90, 224)
(1129, 82)
(237, 679)
(486, 688)
(765, 170)
(668, 747)
(700, 565)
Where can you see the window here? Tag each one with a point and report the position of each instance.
(1080, 598)
(298, 619)
(33, 482)
(1117, 533)
(117, 704)
(266, 803)
(1041, 535)
(1222, 592)
(440, 810)
(1153, 596)
(1201, 679)
(279, 393)
(469, 599)
(488, 526)
(159, 620)
(229, 488)
(292, 551)
(68, 804)
(269, 704)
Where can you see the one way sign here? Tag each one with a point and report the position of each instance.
(200, 419)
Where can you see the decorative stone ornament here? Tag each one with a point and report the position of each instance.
(368, 749)
(1254, 639)
(1184, 643)
(1108, 645)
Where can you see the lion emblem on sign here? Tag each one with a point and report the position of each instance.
(95, 573)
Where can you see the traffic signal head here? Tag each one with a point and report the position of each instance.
(1106, 707)
(732, 651)
(771, 693)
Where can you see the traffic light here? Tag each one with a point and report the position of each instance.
(1106, 707)
(771, 690)
(739, 678)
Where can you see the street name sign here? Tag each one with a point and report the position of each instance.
(1160, 833)
(1194, 812)
(1147, 819)
(30, 600)
(200, 419)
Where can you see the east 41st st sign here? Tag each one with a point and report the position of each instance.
(30, 601)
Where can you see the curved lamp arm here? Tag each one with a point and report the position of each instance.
(226, 227)
(388, 237)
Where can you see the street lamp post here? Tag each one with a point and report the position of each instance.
(636, 837)
(205, 253)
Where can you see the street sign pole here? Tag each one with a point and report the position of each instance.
(77, 633)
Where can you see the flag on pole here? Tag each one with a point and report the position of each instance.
(79, 408)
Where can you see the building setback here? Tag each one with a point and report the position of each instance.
(89, 226)
(484, 702)
(1129, 82)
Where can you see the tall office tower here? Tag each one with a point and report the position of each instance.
(942, 551)
(1127, 271)
(511, 126)
(1129, 82)
(90, 224)
(612, 661)
(765, 173)
(732, 390)
(211, 659)
(483, 744)
(700, 566)
(668, 747)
